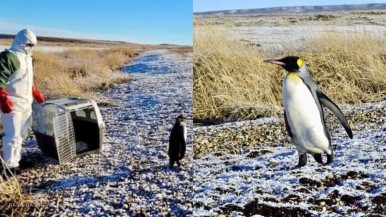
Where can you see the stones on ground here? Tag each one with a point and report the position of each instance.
(129, 175)
(255, 185)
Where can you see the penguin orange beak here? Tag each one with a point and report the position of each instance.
(277, 62)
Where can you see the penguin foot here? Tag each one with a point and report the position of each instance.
(302, 160)
(318, 158)
(330, 158)
(171, 164)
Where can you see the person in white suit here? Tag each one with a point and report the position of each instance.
(17, 92)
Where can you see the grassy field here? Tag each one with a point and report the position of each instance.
(74, 67)
(232, 82)
(79, 72)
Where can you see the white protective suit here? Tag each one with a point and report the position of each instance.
(19, 88)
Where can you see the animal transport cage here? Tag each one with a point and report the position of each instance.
(66, 128)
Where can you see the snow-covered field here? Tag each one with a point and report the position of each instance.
(50, 48)
(278, 31)
(278, 36)
(131, 175)
(263, 181)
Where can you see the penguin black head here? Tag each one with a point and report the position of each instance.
(180, 118)
(289, 63)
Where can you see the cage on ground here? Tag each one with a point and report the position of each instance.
(66, 128)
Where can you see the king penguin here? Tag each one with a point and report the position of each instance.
(177, 141)
(303, 113)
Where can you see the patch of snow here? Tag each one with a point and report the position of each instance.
(358, 171)
(131, 175)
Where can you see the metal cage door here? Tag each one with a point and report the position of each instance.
(64, 137)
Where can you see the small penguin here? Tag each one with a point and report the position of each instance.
(177, 141)
(303, 114)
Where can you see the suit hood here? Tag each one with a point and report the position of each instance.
(21, 40)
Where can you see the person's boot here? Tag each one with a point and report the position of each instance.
(26, 164)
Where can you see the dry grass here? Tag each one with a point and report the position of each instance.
(13, 202)
(79, 72)
(181, 49)
(231, 80)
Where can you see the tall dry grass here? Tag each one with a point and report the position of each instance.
(231, 80)
(79, 72)
(13, 202)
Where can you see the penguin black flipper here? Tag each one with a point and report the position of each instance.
(287, 125)
(323, 99)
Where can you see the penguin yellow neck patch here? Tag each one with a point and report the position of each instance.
(293, 78)
(292, 75)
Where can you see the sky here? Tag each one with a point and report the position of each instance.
(137, 21)
(217, 5)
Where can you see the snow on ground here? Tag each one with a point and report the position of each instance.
(40, 48)
(131, 175)
(50, 48)
(263, 181)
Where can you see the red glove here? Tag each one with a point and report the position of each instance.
(37, 95)
(5, 103)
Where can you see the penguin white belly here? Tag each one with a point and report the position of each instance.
(303, 117)
(185, 133)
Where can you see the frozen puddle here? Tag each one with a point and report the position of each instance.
(131, 175)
